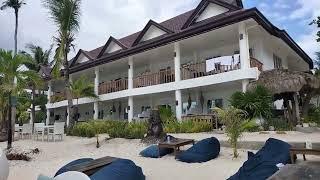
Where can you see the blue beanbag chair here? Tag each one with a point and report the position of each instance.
(121, 169)
(203, 151)
(75, 162)
(262, 165)
(153, 151)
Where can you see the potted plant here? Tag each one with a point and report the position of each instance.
(305, 122)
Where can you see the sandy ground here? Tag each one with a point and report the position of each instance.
(55, 154)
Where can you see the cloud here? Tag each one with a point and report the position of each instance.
(99, 20)
(309, 9)
(309, 44)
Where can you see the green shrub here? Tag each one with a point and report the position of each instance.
(313, 115)
(279, 124)
(115, 129)
(251, 126)
(187, 127)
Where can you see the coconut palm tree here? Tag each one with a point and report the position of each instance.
(11, 70)
(66, 16)
(15, 5)
(79, 89)
(39, 58)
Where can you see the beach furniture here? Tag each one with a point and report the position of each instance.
(203, 151)
(26, 130)
(106, 167)
(4, 166)
(263, 164)
(58, 130)
(175, 144)
(72, 175)
(295, 151)
(154, 151)
(39, 129)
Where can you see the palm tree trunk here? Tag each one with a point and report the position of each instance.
(68, 90)
(33, 108)
(16, 12)
(9, 145)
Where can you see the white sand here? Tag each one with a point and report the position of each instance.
(55, 155)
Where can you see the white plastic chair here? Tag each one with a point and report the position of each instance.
(58, 129)
(72, 175)
(39, 130)
(26, 130)
(4, 166)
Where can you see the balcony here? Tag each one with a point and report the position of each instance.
(113, 86)
(150, 79)
(58, 96)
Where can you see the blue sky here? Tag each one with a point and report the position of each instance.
(122, 17)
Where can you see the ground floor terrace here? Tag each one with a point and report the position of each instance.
(185, 104)
(51, 158)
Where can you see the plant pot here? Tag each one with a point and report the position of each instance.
(271, 128)
(305, 124)
(299, 126)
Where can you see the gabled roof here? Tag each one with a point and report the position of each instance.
(85, 53)
(110, 40)
(146, 28)
(201, 8)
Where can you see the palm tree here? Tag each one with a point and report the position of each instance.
(79, 89)
(11, 70)
(15, 5)
(66, 15)
(39, 58)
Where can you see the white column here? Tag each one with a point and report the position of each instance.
(49, 93)
(245, 84)
(178, 105)
(177, 61)
(48, 117)
(96, 91)
(68, 117)
(130, 110)
(130, 73)
(244, 46)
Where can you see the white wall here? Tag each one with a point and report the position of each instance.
(82, 59)
(152, 32)
(113, 47)
(210, 11)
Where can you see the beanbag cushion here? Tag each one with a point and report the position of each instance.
(203, 151)
(43, 177)
(121, 169)
(75, 162)
(153, 151)
(263, 164)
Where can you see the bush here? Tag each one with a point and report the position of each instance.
(40, 117)
(313, 115)
(187, 127)
(279, 124)
(256, 103)
(251, 126)
(115, 129)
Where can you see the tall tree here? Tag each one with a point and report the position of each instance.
(15, 5)
(11, 68)
(66, 15)
(39, 58)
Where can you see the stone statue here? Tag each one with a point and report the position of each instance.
(155, 129)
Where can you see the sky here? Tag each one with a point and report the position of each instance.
(102, 18)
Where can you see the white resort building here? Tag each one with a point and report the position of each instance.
(189, 63)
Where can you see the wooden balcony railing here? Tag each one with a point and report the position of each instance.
(150, 79)
(113, 86)
(256, 63)
(58, 96)
(196, 70)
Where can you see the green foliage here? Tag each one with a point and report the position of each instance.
(251, 126)
(313, 115)
(82, 88)
(235, 121)
(40, 117)
(279, 124)
(166, 115)
(23, 117)
(256, 103)
(187, 127)
(115, 129)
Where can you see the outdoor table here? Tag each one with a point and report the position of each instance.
(93, 166)
(294, 152)
(175, 144)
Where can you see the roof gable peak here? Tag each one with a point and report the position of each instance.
(207, 9)
(150, 31)
(76, 58)
(112, 45)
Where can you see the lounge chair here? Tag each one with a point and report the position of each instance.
(120, 169)
(263, 164)
(203, 151)
(58, 130)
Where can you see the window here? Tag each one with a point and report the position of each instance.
(277, 62)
